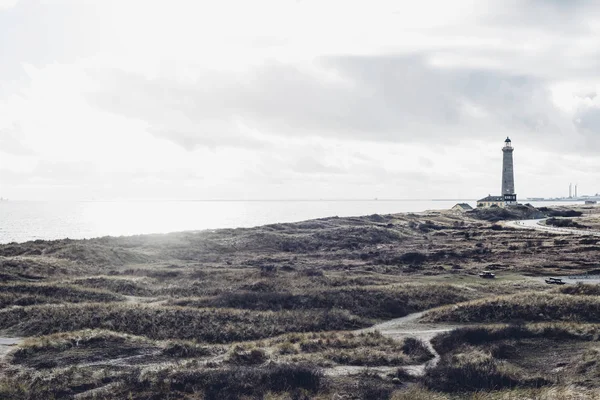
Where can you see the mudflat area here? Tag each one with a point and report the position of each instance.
(370, 307)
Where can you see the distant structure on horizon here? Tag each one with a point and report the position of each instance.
(508, 196)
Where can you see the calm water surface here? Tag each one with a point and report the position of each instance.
(22, 221)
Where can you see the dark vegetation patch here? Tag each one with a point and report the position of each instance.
(301, 381)
(232, 383)
(475, 370)
(565, 223)
(117, 285)
(391, 302)
(581, 289)
(560, 212)
(40, 293)
(12, 299)
(241, 356)
(73, 348)
(587, 368)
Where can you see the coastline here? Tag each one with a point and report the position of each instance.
(26, 221)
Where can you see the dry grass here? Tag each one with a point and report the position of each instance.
(345, 348)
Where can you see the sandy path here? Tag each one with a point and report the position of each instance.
(400, 328)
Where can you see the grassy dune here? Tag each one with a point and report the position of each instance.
(447, 342)
(371, 302)
(521, 307)
(209, 325)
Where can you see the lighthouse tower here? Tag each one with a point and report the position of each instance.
(508, 177)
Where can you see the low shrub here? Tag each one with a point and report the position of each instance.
(181, 349)
(564, 223)
(241, 356)
(473, 371)
(581, 289)
(373, 389)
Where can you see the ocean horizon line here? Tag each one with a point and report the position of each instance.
(229, 200)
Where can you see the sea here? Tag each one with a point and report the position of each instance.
(22, 221)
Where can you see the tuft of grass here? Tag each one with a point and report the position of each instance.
(241, 356)
(185, 349)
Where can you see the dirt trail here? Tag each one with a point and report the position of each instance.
(400, 328)
(6, 345)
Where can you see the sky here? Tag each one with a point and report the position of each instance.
(297, 99)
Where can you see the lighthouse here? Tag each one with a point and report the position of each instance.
(508, 175)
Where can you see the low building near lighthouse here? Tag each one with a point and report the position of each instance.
(492, 201)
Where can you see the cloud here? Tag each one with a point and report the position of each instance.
(390, 97)
(6, 4)
(386, 98)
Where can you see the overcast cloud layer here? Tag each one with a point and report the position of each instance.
(282, 99)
